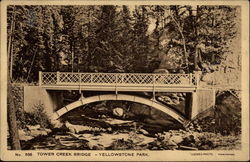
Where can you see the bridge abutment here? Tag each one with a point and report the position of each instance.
(202, 101)
(35, 95)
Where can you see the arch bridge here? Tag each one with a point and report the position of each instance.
(52, 83)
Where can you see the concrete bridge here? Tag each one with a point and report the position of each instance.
(51, 85)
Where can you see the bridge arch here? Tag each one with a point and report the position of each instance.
(121, 97)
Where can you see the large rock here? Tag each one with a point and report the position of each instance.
(118, 112)
(81, 128)
(155, 119)
(176, 139)
(228, 113)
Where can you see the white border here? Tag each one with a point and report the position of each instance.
(153, 155)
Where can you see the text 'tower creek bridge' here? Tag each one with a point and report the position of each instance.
(52, 84)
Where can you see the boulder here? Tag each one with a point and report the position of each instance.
(33, 127)
(118, 112)
(36, 133)
(56, 124)
(176, 139)
(143, 131)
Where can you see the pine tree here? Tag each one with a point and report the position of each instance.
(141, 39)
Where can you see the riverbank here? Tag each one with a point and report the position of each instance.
(131, 137)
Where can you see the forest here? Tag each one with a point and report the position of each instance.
(117, 38)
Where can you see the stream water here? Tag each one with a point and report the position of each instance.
(119, 135)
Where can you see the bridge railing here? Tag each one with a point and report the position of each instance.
(139, 79)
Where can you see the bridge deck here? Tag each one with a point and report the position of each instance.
(118, 81)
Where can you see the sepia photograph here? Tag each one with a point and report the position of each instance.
(130, 77)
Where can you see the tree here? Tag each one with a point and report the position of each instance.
(141, 39)
(117, 38)
(11, 119)
(11, 110)
(202, 31)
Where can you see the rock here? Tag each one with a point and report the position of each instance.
(35, 127)
(87, 135)
(109, 129)
(144, 132)
(179, 94)
(117, 121)
(181, 99)
(73, 135)
(36, 133)
(174, 95)
(43, 132)
(48, 130)
(154, 148)
(172, 145)
(56, 124)
(118, 112)
(165, 98)
(21, 132)
(188, 141)
(80, 128)
(23, 136)
(103, 116)
(76, 128)
(98, 147)
(176, 102)
(166, 135)
(176, 139)
(205, 147)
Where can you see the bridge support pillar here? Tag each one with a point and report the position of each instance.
(56, 98)
(188, 105)
(195, 107)
(202, 102)
(35, 95)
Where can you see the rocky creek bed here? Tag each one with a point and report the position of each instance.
(118, 126)
(125, 135)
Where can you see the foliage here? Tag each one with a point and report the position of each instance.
(37, 116)
(117, 38)
(202, 33)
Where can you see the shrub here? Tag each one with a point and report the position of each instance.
(37, 116)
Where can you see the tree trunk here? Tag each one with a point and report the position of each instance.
(180, 29)
(197, 51)
(11, 111)
(89, 62)
(13, 130)
(72, 56)
(195, 59)
(10, 42)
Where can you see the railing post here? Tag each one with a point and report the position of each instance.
(154, 87)
(116, 82)
(80, 78)
(40, 78)
(57, 77)
(80, 81)
(116, 78)
(91, 78)
(191, 79)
